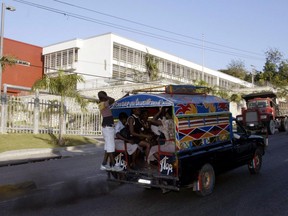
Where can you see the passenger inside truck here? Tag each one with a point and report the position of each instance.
(166, 127)
(136, 128)
(123, 141)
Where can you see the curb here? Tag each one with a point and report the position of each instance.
(16, 157)
(27, 155)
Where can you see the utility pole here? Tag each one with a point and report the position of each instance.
(10, 8)
(3, 97)
(253, 73)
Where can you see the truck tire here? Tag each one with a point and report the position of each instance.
(284, 125)
(271, 127)
(206, 180)
(255, 164)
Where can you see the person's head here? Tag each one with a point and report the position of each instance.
(169, 113)
(136, 111)
(144, 114)
(102, 95)
(123, 117)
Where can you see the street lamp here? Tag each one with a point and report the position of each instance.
(10, 8)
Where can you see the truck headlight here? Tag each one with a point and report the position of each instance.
(263, 117)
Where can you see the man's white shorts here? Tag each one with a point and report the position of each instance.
(108, 134)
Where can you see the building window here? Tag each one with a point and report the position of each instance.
(58, 59)
(123, 54)
(137, 58)
(116, 49)
(130, 56)
(75, 55)
(53, 61)
(63, 59)
(168, 68)
(182, 72)
(173, 69)
(70, 57)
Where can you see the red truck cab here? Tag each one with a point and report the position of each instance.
(262, 113)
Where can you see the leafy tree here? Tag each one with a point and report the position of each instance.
(206, 89)
(273, 57)
(151, 66)
(283, 74)
(223, 94)
(63, 85)
(237, 69)
(235, 98)
(275, 70)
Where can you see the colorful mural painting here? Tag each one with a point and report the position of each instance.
(195, 131)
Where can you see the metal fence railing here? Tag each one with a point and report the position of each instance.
(34, 115)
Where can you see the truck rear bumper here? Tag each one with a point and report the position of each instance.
(146, 179)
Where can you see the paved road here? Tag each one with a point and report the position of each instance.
(75, 186)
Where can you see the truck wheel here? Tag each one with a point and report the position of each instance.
(271, 127)
(206, 180)
(255, 164)
(284, 125)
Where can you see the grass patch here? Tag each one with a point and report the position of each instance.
(9, 142)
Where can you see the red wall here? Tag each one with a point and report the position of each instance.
(19, 74)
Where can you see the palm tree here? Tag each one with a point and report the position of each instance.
(7, 61)
(65, 86)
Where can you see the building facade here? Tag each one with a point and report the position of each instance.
(110, 59)
(28, 67)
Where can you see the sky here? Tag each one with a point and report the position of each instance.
(212, 33)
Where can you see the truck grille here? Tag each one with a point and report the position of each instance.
(251, 117)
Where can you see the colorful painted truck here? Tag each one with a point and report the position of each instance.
(205, 141)
(264, 113)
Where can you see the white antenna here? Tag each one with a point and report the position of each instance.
(202, 57)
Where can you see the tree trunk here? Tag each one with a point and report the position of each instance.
(61, 121)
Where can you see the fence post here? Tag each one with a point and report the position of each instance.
(64, 119)
(81, 123)
(3, 113)
(36, 113)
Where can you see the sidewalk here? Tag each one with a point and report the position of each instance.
(29, 155)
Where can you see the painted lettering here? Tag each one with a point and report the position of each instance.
(120, 160)
(164, 166)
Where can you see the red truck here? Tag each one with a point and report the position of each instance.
(263, 113)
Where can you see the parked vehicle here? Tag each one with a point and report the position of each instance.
(264, 113)
(207, 141)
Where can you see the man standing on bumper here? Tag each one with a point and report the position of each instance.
(108, 132)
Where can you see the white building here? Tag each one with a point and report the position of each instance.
(110, 59)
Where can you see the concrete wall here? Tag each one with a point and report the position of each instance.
(95, 60)
(19, 74)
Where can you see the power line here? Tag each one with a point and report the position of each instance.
(152, 27)
(149, 34)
